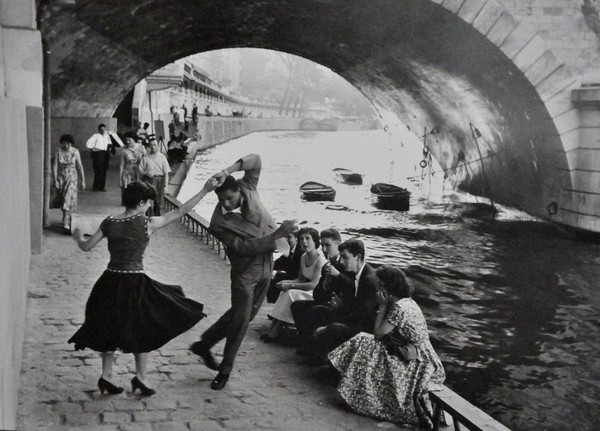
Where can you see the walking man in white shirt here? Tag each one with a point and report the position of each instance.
(154, 170)
(100, 144)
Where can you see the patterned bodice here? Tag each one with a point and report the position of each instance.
(127, 241)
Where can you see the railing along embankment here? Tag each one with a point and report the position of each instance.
(197, 225)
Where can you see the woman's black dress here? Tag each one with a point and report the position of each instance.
(127, 310)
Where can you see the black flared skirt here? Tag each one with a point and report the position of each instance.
(135, 314)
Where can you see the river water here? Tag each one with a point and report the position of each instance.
(511, 303)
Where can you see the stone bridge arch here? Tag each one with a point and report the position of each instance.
(423, 63)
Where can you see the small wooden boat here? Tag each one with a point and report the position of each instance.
(390, 197)
(347, 176)
(313, 191)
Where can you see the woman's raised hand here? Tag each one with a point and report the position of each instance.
(211, 184)
(220, 178)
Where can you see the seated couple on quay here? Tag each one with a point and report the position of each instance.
(331, 299)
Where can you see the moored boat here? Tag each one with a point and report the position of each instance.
(313, 191)
(390, 197)
(347, 176)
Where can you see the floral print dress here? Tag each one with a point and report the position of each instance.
(377, 384)
(66, 177)
(131, 171)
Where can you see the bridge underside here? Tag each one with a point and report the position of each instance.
(417, 62)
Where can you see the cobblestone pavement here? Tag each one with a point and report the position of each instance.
(270, 388)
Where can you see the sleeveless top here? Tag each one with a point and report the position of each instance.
(307, 272)
(127, 241)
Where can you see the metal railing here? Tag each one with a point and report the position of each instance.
(196, 224)
(463, 413)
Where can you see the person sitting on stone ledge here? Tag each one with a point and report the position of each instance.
(388, 375)
(300, 288)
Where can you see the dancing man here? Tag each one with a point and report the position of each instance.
(242, 223)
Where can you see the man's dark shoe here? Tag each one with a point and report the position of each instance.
(209, 360)
(219, 381)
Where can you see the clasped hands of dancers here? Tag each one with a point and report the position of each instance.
(129, 311)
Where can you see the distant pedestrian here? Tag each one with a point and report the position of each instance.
(143, 131)
(100, 144)
(207, 111)
(248, 231)
(129, 170)
(128, 310)
(154, 170)
(65, 167)
(195, 114)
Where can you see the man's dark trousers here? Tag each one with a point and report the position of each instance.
(100, 164)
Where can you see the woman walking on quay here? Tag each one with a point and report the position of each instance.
(130, 161)
(128, 310)
(66, 166)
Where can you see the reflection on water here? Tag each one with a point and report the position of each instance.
(511, 304)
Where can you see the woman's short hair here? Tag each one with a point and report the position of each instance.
(136, 192)
(67, 138)
(230, 183)
(395, 281)
(312, 232)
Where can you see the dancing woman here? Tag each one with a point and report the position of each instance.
(128, 310)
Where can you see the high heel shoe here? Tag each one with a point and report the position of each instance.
(137, 384)
(107, 386)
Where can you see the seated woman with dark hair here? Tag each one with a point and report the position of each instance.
(388, 375)
(301, 287)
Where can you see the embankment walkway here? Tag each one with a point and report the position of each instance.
(271, 388)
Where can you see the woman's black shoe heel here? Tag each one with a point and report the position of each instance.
(219, 381)
(137, 384)
(107, 386)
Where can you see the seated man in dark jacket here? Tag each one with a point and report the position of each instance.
(285, 267)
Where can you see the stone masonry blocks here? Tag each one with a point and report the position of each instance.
(23, 65)
(470, 9)
(515, 42)
(534, 49)
(503, 27)
(488, 16)
(560, 79)
(542, 67)
(18, 13)
(453, 5)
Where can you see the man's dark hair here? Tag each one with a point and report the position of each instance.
(332, 233)
(101, 125)
(395, 281)
(314, 234)
(146, 125)
(67, 138)
(230, 183)
(354, 247)
(136, 192)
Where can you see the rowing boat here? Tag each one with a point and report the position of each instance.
(313, 191)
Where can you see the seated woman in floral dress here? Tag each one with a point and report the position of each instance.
(381, 379)
(300, 288)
